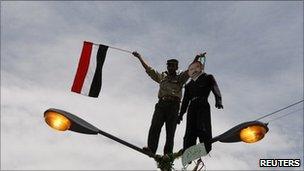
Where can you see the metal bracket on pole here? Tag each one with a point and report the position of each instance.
(126, 144)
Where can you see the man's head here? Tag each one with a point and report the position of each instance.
(172, 66)
(195, 69)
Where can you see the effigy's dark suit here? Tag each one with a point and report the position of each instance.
(198, 115)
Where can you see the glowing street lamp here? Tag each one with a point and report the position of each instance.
(57, 121)
(248, 132)
(62, 121)
(253, 133)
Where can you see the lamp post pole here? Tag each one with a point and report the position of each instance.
(126, 143)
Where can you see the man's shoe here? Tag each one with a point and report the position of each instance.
(148, 151)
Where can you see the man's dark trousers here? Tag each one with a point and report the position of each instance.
(165, 112)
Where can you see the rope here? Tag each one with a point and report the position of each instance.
(197, 168)
(279, 110)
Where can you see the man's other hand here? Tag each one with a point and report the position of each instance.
(219, 105)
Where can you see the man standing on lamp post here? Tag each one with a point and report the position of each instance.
(167, 108)
(196, 97)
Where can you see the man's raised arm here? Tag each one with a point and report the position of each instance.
(156, 76)
(143, 63)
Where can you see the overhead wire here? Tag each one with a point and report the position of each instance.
(279, 110)
(289, 113)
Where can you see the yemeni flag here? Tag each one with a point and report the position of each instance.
(88, 78)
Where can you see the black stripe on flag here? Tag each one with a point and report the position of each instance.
(97, 80)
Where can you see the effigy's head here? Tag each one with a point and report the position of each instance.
(195, 69)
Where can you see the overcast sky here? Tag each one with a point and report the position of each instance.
(254, 50)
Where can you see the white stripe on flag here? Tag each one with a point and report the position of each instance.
(91, 71)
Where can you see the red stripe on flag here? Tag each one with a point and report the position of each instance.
(83, 66)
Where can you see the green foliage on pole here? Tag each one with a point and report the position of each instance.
(165, 162)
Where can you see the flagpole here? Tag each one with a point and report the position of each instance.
(123, 50)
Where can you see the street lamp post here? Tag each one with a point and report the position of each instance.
(248, 132)
(62, 121)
